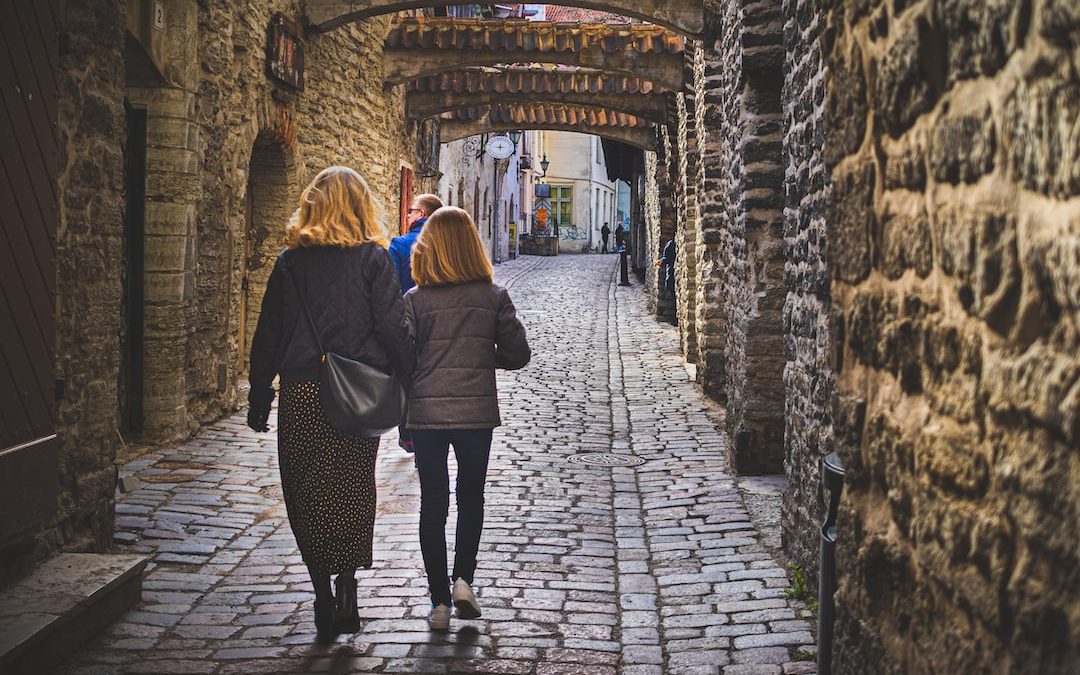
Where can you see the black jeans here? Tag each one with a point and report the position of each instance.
(472, 448)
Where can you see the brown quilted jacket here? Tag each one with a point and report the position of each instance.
(462, 332)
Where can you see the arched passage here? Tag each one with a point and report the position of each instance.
(683, 16)
(424, 47)
(271, 186)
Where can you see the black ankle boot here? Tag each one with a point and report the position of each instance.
(346, 614)
(324, 619)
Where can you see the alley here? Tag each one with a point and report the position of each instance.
(583, 568)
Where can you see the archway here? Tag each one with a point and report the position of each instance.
(683, 16)
(270, 201)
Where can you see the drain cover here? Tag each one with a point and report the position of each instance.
(605, 459)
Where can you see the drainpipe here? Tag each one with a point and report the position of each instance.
(832, 472)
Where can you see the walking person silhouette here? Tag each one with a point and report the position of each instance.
(336, 279)
(464, 328)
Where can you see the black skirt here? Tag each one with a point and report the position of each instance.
(329, 483)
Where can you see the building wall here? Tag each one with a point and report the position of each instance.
(211, 112)
(468, 180)
(954, 232)
(809, 383)
(578, 160)
(89, 257)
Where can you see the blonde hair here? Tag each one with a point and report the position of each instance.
(449, 250)
(336, 209)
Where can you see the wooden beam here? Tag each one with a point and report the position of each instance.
(404, 64)
(682, 16)
(639, 137)
(422, 104)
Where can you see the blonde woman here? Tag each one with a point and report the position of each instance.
(465, 327)
(336, 264)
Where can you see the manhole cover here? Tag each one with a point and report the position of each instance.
(605, 459)
(400, 505)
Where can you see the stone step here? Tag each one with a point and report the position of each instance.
(47, 615)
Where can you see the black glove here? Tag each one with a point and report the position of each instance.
(257, 417)
(259, 401)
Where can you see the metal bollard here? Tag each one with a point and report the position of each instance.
(624, 269)
(832, 473)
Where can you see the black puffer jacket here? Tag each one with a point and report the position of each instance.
(463, 333)
(355, 301)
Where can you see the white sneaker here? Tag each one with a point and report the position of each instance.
(439, 618)
(465, 600)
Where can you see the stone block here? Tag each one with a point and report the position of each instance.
(963, 148)
(906, 244)
(980, 34)
(846, 107)
(909, 76)
(906, 168)
(1045, 110)
(851, 219)
(165, 287)
(165, 254)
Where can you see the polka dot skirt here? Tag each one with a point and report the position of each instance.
(329, 483)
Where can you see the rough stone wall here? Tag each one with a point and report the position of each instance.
(808, 378)
(749, 82)
(711, 261)
(954, 227)
(660, 218)
(344, 116)
(682, 144)
(90, 162)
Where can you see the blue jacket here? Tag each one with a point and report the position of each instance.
(401, 253)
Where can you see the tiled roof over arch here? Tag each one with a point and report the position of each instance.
(531, 36)
(537, 79)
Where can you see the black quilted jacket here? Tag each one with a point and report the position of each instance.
(355, 301)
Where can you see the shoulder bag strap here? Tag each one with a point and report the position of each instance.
(307, 313)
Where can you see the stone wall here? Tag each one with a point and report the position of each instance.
(90, 162)
(216, 126)
(808, 378)
(756, 296)
(250, 125)
(954, 239)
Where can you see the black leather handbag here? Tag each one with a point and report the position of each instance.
(358, 399)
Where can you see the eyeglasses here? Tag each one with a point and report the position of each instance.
(415, 209)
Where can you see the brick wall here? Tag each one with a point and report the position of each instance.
(954, 239)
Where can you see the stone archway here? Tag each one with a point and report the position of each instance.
(271, 188)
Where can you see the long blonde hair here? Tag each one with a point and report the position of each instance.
(336, 209)
(449, 250)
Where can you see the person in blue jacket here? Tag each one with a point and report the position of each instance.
(401, 247)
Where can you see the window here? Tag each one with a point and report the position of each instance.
(562, 204)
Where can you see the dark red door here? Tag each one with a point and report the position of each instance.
(28, 220)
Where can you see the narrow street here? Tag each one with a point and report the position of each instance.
(583, 569)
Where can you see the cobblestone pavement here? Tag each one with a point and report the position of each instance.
(583, 569)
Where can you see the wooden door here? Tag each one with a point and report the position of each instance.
(28, 221)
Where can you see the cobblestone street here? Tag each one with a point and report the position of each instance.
(583, 569)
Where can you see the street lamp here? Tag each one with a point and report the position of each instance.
(515, 136)
(544, 164)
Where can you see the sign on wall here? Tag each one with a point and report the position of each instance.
(285, 52)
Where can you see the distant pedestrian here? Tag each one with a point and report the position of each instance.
(605, 232)
(465, 327)
(620, 237)
(401, 253)
(337, 270)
